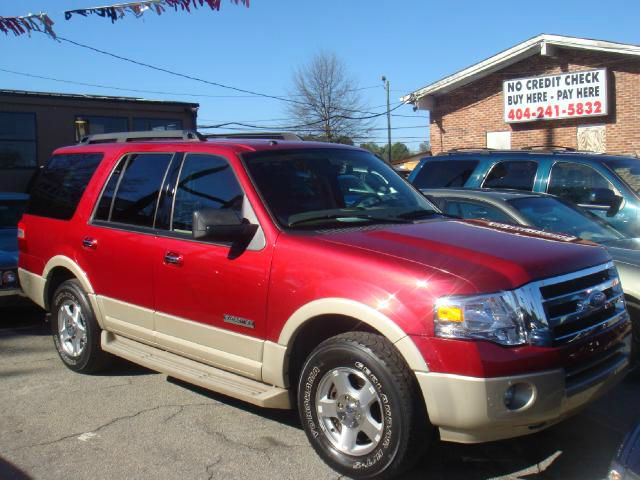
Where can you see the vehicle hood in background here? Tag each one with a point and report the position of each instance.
(488, 258)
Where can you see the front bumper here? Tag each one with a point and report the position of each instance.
(472, 410)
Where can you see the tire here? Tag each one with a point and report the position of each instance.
(75, 331)
(361, 408)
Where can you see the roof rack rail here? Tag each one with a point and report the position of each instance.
(552, 148)
(257, 135)
(123, 137)
(471, 149)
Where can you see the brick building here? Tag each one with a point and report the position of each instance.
(577, 93)
(33, 124)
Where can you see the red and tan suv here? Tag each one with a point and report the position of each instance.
(310, 275)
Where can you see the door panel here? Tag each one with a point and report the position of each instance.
(208, 283)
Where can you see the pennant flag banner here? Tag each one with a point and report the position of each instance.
(38, 22)
(119, 10)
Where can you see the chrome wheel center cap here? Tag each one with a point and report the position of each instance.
(349, 411)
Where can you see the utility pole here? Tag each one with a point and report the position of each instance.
(385, 81)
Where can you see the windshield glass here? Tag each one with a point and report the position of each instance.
(308, 188)
(10, 212)
(628, 169)
(554, 215)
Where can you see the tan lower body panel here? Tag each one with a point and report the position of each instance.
(197, 373)
(32, 285)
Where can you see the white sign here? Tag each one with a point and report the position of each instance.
(565, 95)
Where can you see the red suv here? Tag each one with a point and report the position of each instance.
(311, 275)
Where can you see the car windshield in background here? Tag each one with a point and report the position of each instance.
(10, 212)
(628, 170)
(553, 215)
(311, 188)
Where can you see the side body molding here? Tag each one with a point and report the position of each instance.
(275, 354)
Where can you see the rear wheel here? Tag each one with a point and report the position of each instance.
(76, 333)
(361, 408)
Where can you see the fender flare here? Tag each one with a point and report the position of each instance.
(278, 353)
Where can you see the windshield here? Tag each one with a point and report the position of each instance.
(628, 169)
(10, 212)
(308, 188)
(554, 215)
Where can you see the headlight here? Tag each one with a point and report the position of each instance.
(497, 318)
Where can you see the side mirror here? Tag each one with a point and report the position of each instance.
(221, 225)
(606, 197)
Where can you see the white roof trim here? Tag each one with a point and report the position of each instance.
(515, 54)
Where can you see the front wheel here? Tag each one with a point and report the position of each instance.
(361, 408)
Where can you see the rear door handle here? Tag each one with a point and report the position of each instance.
(173, 258)
(88, 242)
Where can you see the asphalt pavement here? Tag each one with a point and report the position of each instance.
(132, 423)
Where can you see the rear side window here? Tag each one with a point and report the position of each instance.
(60, 185)
(512, 174)
(131, 194)
(446, 173)
(206, 182)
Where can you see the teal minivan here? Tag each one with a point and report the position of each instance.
(608, 186)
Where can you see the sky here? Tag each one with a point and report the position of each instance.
(412, 42)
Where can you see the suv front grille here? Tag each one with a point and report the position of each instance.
(583, 303)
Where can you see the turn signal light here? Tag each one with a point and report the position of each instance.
(450, 314)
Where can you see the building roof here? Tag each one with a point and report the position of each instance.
(103, 98)
(543, 44)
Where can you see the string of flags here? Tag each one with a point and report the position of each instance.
(40, 22)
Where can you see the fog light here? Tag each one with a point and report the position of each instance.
(614, 475)
(518, 396)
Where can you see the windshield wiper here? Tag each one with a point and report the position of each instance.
(346, 216)
(416, 214)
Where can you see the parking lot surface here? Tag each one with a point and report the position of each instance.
(132, 423)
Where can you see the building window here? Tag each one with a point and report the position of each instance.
(91, 124)
(17, 140)
(148, 124)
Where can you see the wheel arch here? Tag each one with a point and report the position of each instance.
(321, 319)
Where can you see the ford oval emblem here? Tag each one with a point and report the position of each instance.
(597, 299)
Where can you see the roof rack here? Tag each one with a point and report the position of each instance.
(552, 148)
(471, 149)
(257, 135)
(123, 137)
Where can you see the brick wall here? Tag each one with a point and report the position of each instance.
(462, 118)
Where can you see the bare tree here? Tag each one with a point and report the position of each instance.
(328, 102)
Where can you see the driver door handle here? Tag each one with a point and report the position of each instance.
(173, 258)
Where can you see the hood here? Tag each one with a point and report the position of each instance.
(489, 258)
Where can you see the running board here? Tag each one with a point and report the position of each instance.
(190, 371)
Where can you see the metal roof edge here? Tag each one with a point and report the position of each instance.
(515, 54)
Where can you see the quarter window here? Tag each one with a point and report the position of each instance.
(137, 191)
(61, 183)
(576, 182)
(205, 182)
(17, 140)
(450, 173)
(518, 175)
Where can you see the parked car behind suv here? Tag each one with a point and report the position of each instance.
(608, 186)
(11, 207)
(247, 267)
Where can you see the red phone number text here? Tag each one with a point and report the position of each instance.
(555, 111)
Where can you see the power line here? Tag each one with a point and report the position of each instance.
(217, 84)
